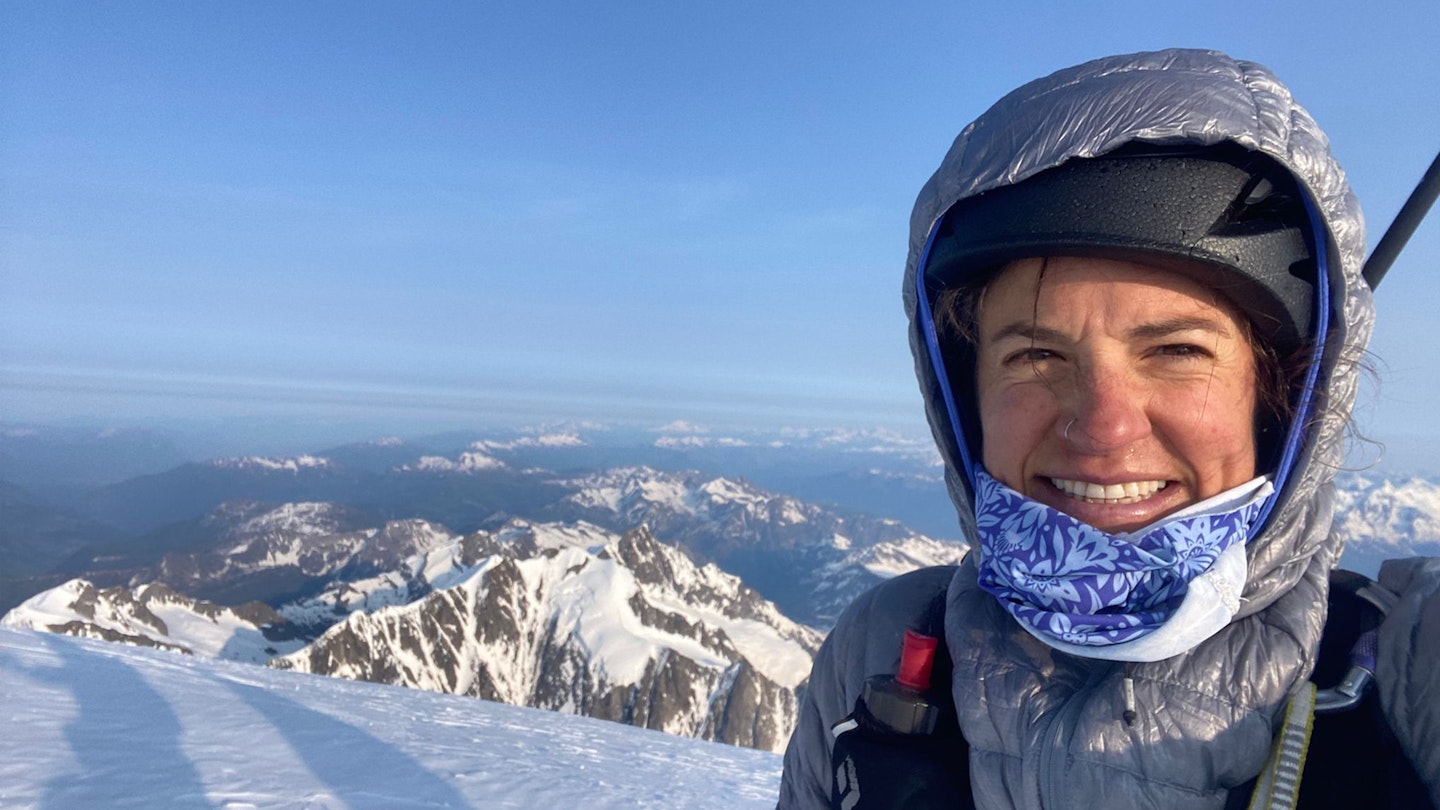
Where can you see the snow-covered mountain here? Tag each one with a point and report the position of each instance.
(246, 550)
(192, 490)
(88, 724)
(472, 461)
(586, 612)
(155, 616)
(1382, 518)
(810, 560)
(291, 543)
(290, 465)
(570, 617)
(580, 620)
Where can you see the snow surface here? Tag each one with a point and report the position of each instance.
(565, 439)
(201, 628)
(309, 519)
(287, 464)
(685, 442)
(594, 606)
(91, 724)
(623, 489)
(557, 535)
(470, 461)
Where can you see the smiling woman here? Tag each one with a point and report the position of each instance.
(1133, 286)
(1115, 392)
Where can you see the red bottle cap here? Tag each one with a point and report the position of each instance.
(917, 655)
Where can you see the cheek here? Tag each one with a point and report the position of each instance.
(1014, 423)
(1216, 439)
(1239, 433)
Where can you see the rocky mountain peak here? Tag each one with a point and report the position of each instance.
(156, 616)
(627, 628)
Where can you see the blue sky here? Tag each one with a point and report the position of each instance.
(464, 214)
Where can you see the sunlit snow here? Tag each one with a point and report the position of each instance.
(565, 439)
(469, 461)
(309, 519)
(90, 724)
(286, 464)
(151, 615)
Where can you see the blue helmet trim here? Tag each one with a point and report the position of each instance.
(1300, 424)
(937, 361)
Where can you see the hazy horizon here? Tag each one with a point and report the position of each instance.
(201, 439)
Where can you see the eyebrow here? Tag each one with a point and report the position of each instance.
(1145, 331)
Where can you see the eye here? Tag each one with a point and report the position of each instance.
(1030, 355)
(1183, 350)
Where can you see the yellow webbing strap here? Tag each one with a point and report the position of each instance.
(1278, 787)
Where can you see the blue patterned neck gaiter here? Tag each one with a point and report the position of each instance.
(1086, 589)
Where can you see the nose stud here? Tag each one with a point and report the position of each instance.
(1067, 428)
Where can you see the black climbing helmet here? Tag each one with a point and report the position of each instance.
(1179, 208)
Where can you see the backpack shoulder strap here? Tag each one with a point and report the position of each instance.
(1357, 606)
(1278, 787)
(1353, 758)
(874, 765)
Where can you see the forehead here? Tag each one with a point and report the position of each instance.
(1073, 288)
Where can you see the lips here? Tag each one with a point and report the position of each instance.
(1128, 492)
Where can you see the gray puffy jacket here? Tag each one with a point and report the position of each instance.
(1043, 727)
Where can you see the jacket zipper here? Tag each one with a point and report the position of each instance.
(1050, 767)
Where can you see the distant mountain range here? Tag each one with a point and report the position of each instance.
(809, 559)
(62, 462)
(619, 595)
(687, 601)
(569, 618)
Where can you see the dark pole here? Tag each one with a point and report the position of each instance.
(1404, 225)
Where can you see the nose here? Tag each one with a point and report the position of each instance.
(1108, 412)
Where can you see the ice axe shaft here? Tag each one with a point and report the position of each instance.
(1404, 225)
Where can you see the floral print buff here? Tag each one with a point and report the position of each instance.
(1068, 581)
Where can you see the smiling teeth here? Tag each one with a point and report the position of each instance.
(1129, 492)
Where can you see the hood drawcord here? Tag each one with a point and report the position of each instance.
(1127, 685)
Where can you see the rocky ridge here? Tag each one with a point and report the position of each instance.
(809, 559)
(156, 616)
(574, 619)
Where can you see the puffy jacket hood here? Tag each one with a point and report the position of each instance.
(1050, 729)
(1174, 97)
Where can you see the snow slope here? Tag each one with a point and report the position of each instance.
(91, 724)
(154, 616)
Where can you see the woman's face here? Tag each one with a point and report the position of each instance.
(1115, 392)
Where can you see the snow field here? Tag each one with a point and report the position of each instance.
(90, 724)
